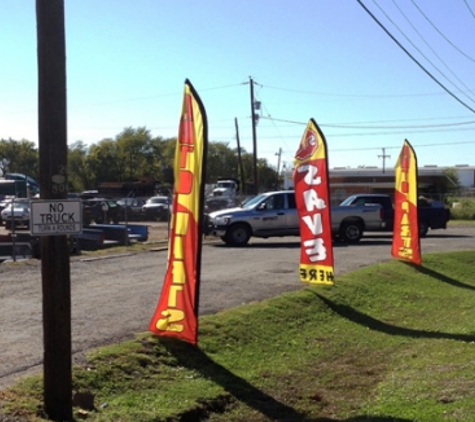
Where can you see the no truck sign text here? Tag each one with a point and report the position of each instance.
(55, 217)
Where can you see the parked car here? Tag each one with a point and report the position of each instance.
(157, 208)
(17, 213)
(132, 208)
(101, 210)
(3, 203)
(431, 214)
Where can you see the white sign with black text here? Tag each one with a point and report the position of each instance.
(55, 217)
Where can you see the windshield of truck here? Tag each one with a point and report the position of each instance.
(253, 201)
(227, 185)
(348, 201)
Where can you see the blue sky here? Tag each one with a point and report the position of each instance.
(127, 61)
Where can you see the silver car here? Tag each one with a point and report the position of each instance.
(157, 208)
(17, 213)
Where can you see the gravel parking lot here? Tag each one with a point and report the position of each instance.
(114, 296)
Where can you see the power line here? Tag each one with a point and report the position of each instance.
(469, 8)
(440, 33)
(328, 94)
(361, 126)
(414, 59)
(430, 48)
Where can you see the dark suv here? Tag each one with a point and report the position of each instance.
(101, 210)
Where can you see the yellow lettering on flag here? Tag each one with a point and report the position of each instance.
(176, 313)
(406, 242)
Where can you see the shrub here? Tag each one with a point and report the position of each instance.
(463, 209)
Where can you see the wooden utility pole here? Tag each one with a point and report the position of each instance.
(279, 155)
(55, 268)
(384, 156)
(241, 167)
(254, 138)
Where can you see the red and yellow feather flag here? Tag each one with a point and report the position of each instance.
(176, 314)
(312, 197)
(406, 242)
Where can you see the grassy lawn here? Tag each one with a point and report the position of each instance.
(390, 342)
(455, 223)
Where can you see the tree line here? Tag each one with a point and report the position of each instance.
(134, 154)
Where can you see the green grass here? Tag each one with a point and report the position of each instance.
(390, 342)
(455, 223)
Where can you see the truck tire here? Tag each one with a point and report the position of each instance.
(351, 232)
(237, 235)
(423, 228)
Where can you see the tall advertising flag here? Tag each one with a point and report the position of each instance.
(176, 314)
(312, 197)
(406, 242)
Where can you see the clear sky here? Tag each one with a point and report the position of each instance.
(329, 60)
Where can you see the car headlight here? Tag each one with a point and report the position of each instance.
(222, 221)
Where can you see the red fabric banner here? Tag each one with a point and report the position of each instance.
(176, 314)
(312, 197)
(406, 242)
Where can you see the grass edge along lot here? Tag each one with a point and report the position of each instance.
(389, 342)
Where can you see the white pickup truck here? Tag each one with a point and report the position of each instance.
(274, 214)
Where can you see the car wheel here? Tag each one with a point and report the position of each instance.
(238, 235)
(423, 228)
(351, 232)
(162, 215)
(8, 225)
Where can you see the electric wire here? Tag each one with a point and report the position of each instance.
(327, 94)
(362, 126)
(420, 51)
(441, 34)
(433, 51)
(469, 8)
(414, 59)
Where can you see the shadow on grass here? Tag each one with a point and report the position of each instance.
(440, 277)
(193, 358)
(374, 324)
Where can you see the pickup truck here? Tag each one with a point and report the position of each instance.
(431, 214)
(274, 214)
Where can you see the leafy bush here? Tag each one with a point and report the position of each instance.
(463, 209)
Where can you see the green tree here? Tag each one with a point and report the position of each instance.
(19, 157)
(79, 175)
(105, 162)
(452, 181)
(268, 177)
(133, 149)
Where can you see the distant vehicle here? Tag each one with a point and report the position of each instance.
(16, 213)
(134, 204)
(157, 208)
(31, 183)
(89, 194)
(224, 195)
(431, 214)
(101, 210)
(132, 209)
(3, 203)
